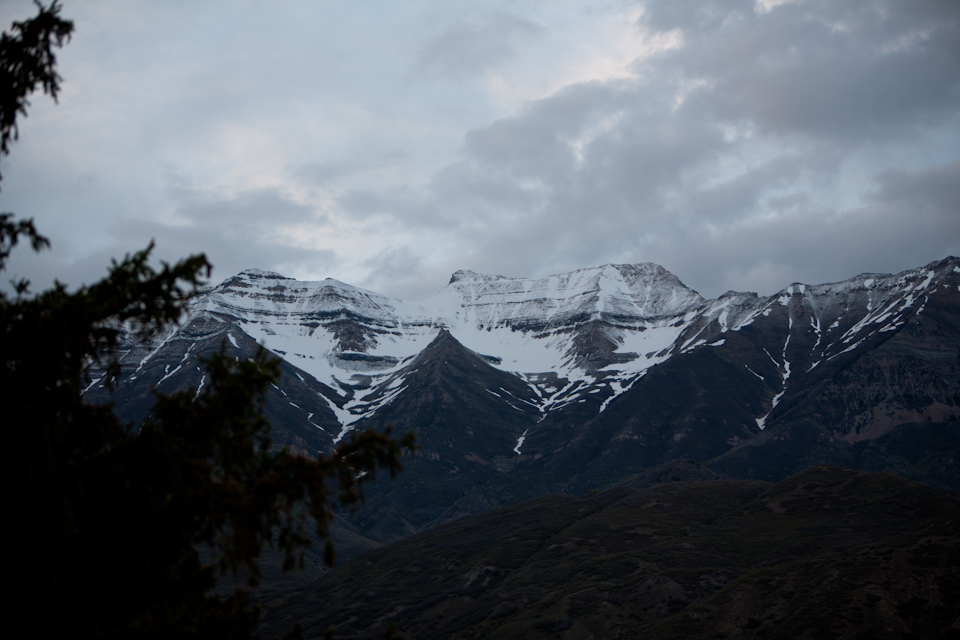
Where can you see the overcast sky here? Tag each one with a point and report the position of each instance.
(742, 145)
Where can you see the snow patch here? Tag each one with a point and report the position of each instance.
(520, 440)
(203, 379)
(310, 420)
(754, 372)
(89, 386)
(167, 375)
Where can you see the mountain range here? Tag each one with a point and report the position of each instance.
(519, 387)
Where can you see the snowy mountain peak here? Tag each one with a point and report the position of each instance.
(466, 275)
(254, 274)
(612, 291)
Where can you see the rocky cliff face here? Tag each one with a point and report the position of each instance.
(517, 387)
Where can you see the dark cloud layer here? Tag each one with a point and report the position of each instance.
(742, 145)
(838, 70)
(725, 158)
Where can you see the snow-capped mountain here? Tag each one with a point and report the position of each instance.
(562, 333)
(591, 374)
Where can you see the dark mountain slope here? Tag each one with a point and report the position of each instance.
(297, 408)
(908, 375)
(467, 416)
(694, 406)
(827, 553)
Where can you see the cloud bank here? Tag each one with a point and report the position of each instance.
(742, 145)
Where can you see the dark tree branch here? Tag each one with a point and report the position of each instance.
(27, 60)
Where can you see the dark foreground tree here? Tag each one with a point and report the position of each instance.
(103, 522)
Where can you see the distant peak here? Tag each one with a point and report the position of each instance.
(640, 270)
(636, 270)
(463, 275)
(646, 267)
(260, 273)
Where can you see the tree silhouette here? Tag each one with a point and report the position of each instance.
(103, 521)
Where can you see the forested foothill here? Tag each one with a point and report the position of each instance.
(827, 553)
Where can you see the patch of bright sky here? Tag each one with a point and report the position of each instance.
(581, 44)
(764, 6)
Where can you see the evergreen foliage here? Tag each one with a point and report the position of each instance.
(104, 521)
(26, 60)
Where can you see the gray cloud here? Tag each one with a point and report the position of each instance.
(935, 188)
(323, 174)
(234, 233)
(245, 230)
(727, 158)
(473, 46)
(831, 69)
(910, 219)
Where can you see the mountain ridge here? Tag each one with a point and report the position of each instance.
(574, 381)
